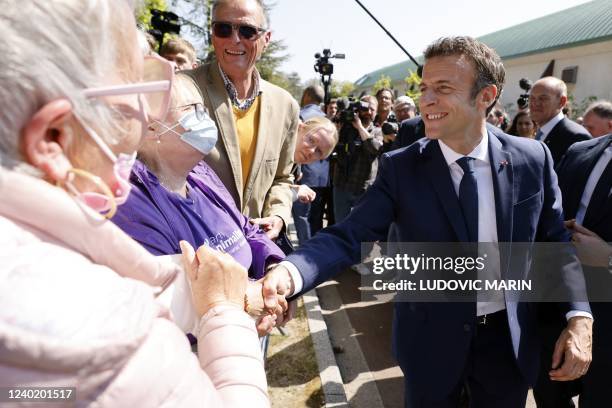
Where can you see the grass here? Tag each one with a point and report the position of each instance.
(291, 367)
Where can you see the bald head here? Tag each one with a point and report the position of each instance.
(547, 98)
(313, 94)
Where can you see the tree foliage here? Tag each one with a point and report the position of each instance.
(342, 89)
(413, 80)
(383, 82)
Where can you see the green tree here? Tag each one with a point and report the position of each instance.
(290, 82)
(383, 82)
(143, 14)
(342, 89)
(413, 81)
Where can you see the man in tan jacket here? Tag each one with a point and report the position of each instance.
(257, 120)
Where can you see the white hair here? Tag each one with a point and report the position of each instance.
(52, 50)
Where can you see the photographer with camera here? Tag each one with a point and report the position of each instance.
(356, 154)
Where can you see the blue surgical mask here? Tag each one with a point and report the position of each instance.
(199, 134)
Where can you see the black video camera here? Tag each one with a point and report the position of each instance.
(348, 139)
(347, 108)
(164, 22)
(390, 126)
(523, 100)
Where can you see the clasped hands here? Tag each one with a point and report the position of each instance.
(217, 280)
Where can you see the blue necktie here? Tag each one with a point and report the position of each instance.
(539, 135)
(468, 197)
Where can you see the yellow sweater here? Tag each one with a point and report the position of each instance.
(247, 127)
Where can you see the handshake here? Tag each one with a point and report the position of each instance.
(217, 279)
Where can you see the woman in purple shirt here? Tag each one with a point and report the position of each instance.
(177, 196)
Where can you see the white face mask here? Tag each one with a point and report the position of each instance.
(199, 134)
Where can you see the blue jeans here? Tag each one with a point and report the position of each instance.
(300, 212)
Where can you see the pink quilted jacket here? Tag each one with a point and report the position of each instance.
(78, 309)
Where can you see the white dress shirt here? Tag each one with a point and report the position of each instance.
(487, 225)
(594, 177)
(548, 126)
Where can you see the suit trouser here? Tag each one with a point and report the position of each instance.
(491, 375)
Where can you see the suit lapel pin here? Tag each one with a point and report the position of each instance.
(503, 164)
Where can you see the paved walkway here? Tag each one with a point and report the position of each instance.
(370, 326)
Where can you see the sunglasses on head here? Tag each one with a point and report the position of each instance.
(223, 29)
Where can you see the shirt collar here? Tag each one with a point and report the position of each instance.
(480, 152)
(233, 94)
(547, 127)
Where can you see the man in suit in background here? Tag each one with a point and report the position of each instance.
(585, 179)
(598, 118)
(547, 98)
(461, 184)
(409, 132)
(257, 121)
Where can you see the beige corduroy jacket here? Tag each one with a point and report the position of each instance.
(266, 191)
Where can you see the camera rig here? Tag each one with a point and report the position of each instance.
(326, 69)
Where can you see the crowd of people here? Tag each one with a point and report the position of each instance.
(146, 200)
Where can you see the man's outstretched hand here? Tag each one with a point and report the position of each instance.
(573, 349)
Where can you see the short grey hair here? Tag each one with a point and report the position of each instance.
(56, 49)
(260, 3)
(603, 109)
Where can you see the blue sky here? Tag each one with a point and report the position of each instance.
(308, 26)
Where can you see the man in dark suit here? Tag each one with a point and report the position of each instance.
(409, 132)
(547, 98)
(461, 184)
(585, 179)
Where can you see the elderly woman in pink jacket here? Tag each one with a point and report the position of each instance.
(78, 303)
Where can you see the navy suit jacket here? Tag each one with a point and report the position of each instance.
(574, 170)
(414, 191)
(563, 135)
(410, 131)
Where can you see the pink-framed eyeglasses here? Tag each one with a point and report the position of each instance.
(156, 86)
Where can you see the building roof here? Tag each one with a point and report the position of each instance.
(583, 24)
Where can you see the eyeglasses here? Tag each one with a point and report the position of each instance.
(158, 77)
(199, 109)
(223, 29)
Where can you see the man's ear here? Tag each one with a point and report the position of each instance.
(488, 95)
(45, 137)
(562, 101)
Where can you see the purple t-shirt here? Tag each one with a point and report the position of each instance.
(159, 219)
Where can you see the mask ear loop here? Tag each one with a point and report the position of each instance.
(99, 183)
(164, 131)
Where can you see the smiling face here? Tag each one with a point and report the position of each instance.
(237, 56)
(448, 110)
